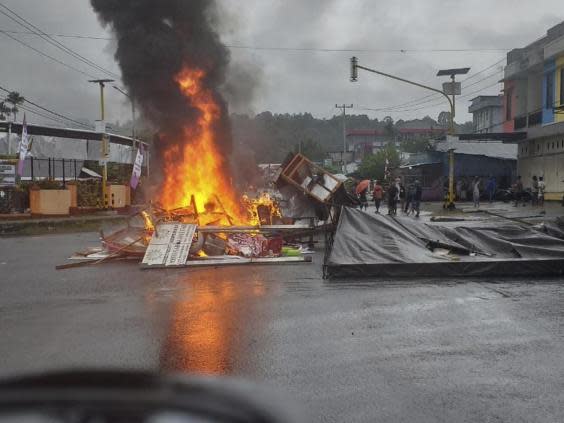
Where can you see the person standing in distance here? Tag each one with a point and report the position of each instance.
(377, 195)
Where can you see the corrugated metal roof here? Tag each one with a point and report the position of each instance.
(496, 149)
(404, 131)
(425, 163)
(71, 133)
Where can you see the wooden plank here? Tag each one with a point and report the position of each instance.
(290, 167)
(171, 247)
(256, 260)
(237, 261)
(264, 228)
(209, 261)
(115, 254)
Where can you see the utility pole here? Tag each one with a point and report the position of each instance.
(105, 141)
(344, 107)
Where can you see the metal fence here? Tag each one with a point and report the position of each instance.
(50, 168)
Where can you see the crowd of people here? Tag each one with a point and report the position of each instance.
(535, 194)
(517, 193)
(395, 193)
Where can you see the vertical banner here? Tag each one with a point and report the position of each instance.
(24, 147)
(136, 174)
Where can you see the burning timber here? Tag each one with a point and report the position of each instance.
(249, 230)
(187, 237)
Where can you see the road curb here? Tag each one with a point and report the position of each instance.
(61, 225)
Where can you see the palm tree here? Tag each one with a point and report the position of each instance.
(389, 127)
(15, 99)
(4, 110)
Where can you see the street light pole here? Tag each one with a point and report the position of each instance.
(105, 141)
(344, 107)
(454, 89)
(452, 77)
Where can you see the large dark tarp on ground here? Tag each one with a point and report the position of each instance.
(376, 245)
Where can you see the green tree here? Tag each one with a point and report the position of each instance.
(373, 166)
(333, 169)
(310, 148)
(15, 99)
(465, 128)
(389, 127)
(417, 145)
(4, 110)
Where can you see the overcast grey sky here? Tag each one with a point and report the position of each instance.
(295, 81)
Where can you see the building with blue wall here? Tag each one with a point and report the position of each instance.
(472, 158)
(533, 103)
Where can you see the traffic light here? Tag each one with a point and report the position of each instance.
(354, 70)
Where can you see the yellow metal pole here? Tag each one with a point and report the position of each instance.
(105, 153)
(450, 198)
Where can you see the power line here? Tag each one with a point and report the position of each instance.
(483, 79)
(432, 97)
(39, 32)
(48, 56)
(87, 37)
(50, 111)
(365, 50)
(435, 104)
(304, 49)
(27, 109)
(485, 69)
(441, 103)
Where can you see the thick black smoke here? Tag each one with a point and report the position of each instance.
(155, 40)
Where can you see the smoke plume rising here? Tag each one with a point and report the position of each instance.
(155, 41)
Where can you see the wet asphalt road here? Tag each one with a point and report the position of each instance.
(418, 350)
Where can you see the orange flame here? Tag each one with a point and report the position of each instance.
(264, 200)
(147, 222)
(197, 167)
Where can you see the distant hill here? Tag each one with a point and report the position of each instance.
(270, 137)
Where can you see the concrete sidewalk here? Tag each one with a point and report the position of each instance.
(429, 210)
(26, 225)
(551, 210)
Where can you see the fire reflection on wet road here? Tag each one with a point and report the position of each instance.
(208, 318)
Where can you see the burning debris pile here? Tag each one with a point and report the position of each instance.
(185, 237)
(173, 64)
(209, 234)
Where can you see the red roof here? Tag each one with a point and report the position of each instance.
(422, 130)
(380, 132)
